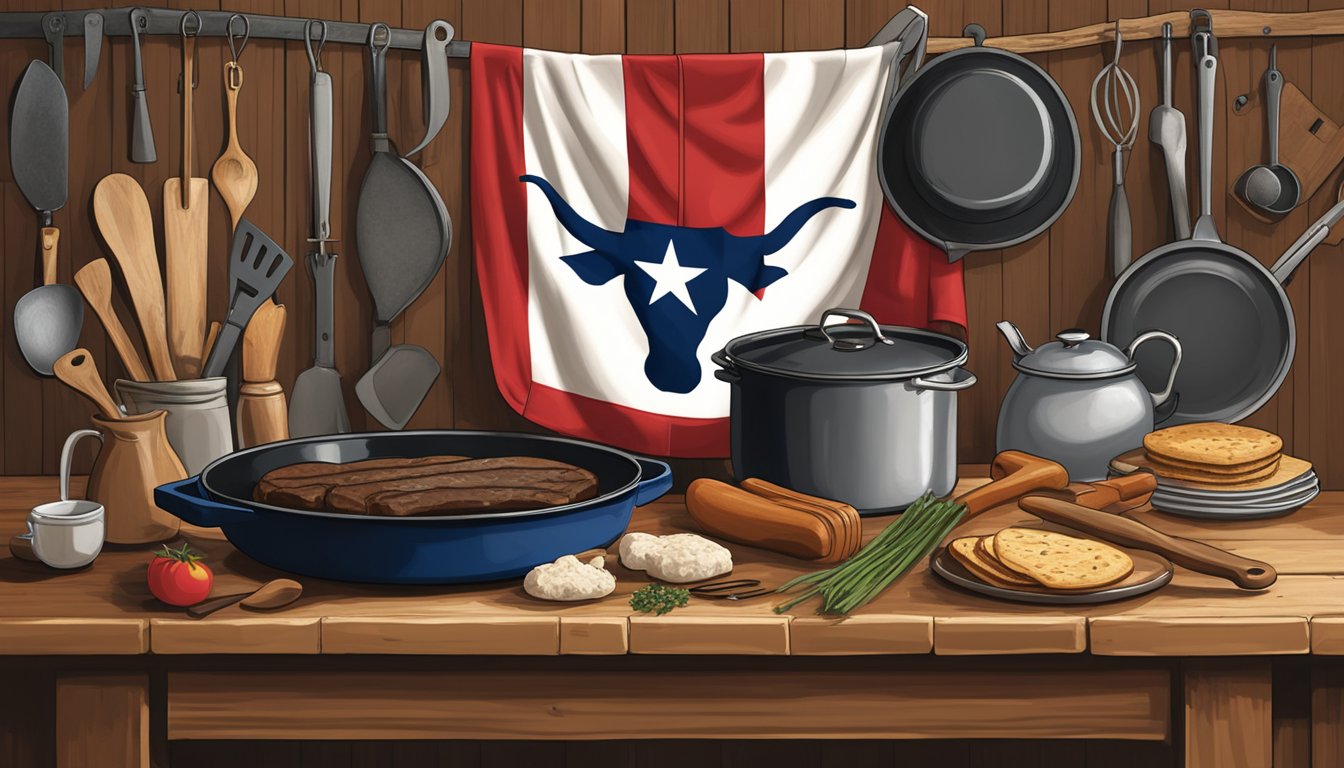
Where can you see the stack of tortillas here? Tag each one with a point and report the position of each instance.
(1213, 470)
(1210, 453)
(1017, 558)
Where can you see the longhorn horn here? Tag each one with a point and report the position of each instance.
(588, 233)
(781, 235)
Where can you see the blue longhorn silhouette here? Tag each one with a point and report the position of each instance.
(674, 330)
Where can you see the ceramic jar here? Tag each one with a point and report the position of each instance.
(198, 424)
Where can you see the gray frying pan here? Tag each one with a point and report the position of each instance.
(1231, 314)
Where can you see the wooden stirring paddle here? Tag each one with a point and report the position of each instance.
(1195, 555)
(78, 371)
(95, 282)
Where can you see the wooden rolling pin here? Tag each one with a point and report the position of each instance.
(263, 415)
(1195, 555)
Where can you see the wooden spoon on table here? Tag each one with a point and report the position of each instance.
(274, 594)
(122, 212)
(78, 371)
(95, 282)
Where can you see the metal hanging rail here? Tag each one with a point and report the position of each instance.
(162, 21)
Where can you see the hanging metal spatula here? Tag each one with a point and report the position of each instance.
(257, 264)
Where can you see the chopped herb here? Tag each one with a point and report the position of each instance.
(659, 599)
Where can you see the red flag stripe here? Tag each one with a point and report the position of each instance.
(653, 137)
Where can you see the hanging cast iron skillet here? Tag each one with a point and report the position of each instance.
(979, 150)
(1231, 314)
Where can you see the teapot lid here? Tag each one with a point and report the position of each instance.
(1075, 355)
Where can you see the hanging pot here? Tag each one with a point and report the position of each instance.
(860, 413)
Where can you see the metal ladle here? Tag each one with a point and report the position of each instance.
(1271, 187)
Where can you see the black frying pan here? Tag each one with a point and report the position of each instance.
(979, 150)
(1231, 314)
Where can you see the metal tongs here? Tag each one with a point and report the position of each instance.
(910, 28)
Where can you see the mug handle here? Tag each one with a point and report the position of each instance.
(68, 455)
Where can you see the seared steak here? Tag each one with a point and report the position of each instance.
(427, 486)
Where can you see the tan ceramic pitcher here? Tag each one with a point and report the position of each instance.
(134, 460)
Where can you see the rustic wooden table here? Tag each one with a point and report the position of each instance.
(1194, 661)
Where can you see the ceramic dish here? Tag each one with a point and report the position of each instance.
(1208, 510)
(1150, 572)
(1192, 495)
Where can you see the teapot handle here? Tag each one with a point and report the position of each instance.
(1159, 397)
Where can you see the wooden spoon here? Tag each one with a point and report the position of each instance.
(77, 369)
(1195, 555)
(274, 594)
(234, 173)
(95, 282)
(122, 213)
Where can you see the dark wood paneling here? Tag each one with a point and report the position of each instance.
(1057, 280)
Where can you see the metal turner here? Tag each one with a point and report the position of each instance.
(257, 264)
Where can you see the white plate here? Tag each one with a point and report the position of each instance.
(1292, 488)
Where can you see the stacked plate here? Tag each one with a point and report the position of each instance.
(1293, 485)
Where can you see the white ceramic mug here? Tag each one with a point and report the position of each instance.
(67, 533)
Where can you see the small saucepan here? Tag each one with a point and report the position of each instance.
(860, 413)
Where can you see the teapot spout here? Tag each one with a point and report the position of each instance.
(1015, 340)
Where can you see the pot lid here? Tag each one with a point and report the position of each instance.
(853, 352)
(1075, 355)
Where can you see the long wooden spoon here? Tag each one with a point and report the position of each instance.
(122, 212)
(78, 371)
(274, 594)
(95, 282)
(1195, 555)
(234, 173)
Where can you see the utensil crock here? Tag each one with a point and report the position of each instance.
(198, 425)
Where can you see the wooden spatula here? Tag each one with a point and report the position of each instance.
(78, 371)
(122, 213)
(95, 282)
(1195, 555)
(186, 206)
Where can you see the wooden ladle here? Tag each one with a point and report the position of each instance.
(234, 173)
(78, 371)
(274, 594)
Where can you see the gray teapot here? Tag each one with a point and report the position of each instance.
(1078, 401)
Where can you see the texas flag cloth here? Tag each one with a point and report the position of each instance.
(632, 214)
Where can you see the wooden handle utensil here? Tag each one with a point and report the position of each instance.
(263, 415)
(1014, 473)
(1195, 555)
(78, 371)
(95, 282)
(122, 212)
(186, 220)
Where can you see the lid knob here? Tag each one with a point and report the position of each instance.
(1072, 337)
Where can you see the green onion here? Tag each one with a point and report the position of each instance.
(857, 581)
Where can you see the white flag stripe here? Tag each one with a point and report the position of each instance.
(821, 115)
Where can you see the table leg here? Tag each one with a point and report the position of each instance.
(1228, 721)
(1327, 718)
(102, 720)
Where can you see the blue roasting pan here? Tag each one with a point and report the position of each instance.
(414, 550)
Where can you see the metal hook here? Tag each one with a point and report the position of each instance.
(195, 50)
(373, 36)
(235, 48)
(315, 55)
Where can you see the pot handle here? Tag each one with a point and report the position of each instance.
(844, 345)
(187, 500)
(727, 371)
(961, 379)
(1159, 397)
(655, 479)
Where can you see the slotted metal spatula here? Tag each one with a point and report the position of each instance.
(257, 264)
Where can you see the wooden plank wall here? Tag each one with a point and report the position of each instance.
(1055, 281)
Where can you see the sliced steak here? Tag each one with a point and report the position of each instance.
(448, 501)
(500, 484)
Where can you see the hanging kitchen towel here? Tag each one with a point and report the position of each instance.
(631, 214)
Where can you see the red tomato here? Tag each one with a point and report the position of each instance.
(177, 577)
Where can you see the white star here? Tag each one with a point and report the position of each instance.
(671, 277)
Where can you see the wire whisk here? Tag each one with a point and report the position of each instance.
(1115, 108)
